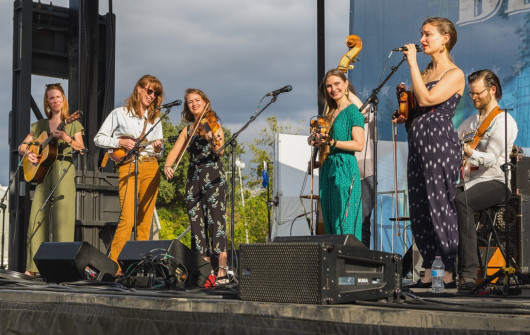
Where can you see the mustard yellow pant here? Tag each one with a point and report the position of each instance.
(148, 183)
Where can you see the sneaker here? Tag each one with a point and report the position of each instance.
(419, 284)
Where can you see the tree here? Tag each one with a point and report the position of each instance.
(251, 218)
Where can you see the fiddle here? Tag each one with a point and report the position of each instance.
(210, 124)
(319, 125)
(407, 105)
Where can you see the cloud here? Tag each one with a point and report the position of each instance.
(236, 51)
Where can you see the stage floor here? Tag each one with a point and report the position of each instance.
(88, 307)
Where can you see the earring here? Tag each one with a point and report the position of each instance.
(347, 92)
(443, 47)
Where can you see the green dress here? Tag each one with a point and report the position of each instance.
(336, 176)
(63, 214)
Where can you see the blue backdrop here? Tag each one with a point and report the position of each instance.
(492, 34)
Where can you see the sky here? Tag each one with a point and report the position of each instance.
(236, 51)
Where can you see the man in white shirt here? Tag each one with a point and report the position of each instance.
(483, 182)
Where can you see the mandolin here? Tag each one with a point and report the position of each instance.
(117, 154)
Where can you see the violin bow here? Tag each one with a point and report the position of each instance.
(188, 140)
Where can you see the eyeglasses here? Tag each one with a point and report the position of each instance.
(472, 94)
(150, 91)
(56, 84)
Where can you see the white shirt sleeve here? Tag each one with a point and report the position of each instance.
(103, 138)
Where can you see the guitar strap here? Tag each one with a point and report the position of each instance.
(484, 126)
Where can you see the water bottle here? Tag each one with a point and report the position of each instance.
(438, 270)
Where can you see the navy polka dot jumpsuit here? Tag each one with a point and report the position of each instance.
(433, 164)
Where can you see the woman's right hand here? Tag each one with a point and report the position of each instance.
(126, 143)
(168, 171)
(398, 118)
(32, 157)
(318, 139)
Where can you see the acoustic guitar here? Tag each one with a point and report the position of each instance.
(117, 154)
(45, 146)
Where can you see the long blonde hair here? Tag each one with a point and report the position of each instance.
(65, 112)
(133, 102)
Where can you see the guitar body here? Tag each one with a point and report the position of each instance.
(46, 148)
(48, 154)
(117, 154)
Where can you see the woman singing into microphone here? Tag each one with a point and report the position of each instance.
(434, 149)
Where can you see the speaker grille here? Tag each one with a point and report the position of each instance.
(281, 272)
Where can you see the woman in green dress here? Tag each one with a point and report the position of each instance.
(339, 181)
(67, 141)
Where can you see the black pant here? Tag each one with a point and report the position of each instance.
(476, 198)
(367, 194)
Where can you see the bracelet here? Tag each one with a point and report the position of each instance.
(167, 166)
(334, 143)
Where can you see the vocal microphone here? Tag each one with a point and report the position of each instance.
(418, 48)
(171, 104)
(286, 88)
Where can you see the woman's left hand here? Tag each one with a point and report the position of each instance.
(157, 146)
(61, 135)
(410, 53)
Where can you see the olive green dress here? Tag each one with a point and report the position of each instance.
(63, 214)
(336, 176)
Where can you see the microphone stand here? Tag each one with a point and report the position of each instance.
(232, 142)
(50, 197)
(4, 207)
(136, 152)
(375, 101)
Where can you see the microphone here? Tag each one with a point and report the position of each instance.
(286, 88)
(171, 104)
(418, 49)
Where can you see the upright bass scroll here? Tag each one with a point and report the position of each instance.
(355, 46)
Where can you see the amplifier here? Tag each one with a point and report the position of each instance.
(520, 178)
(325, 269)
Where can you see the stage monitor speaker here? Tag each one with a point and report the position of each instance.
(521, 176)
(325, 269)
(72, 261)
(518, 219)
(182, 260)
